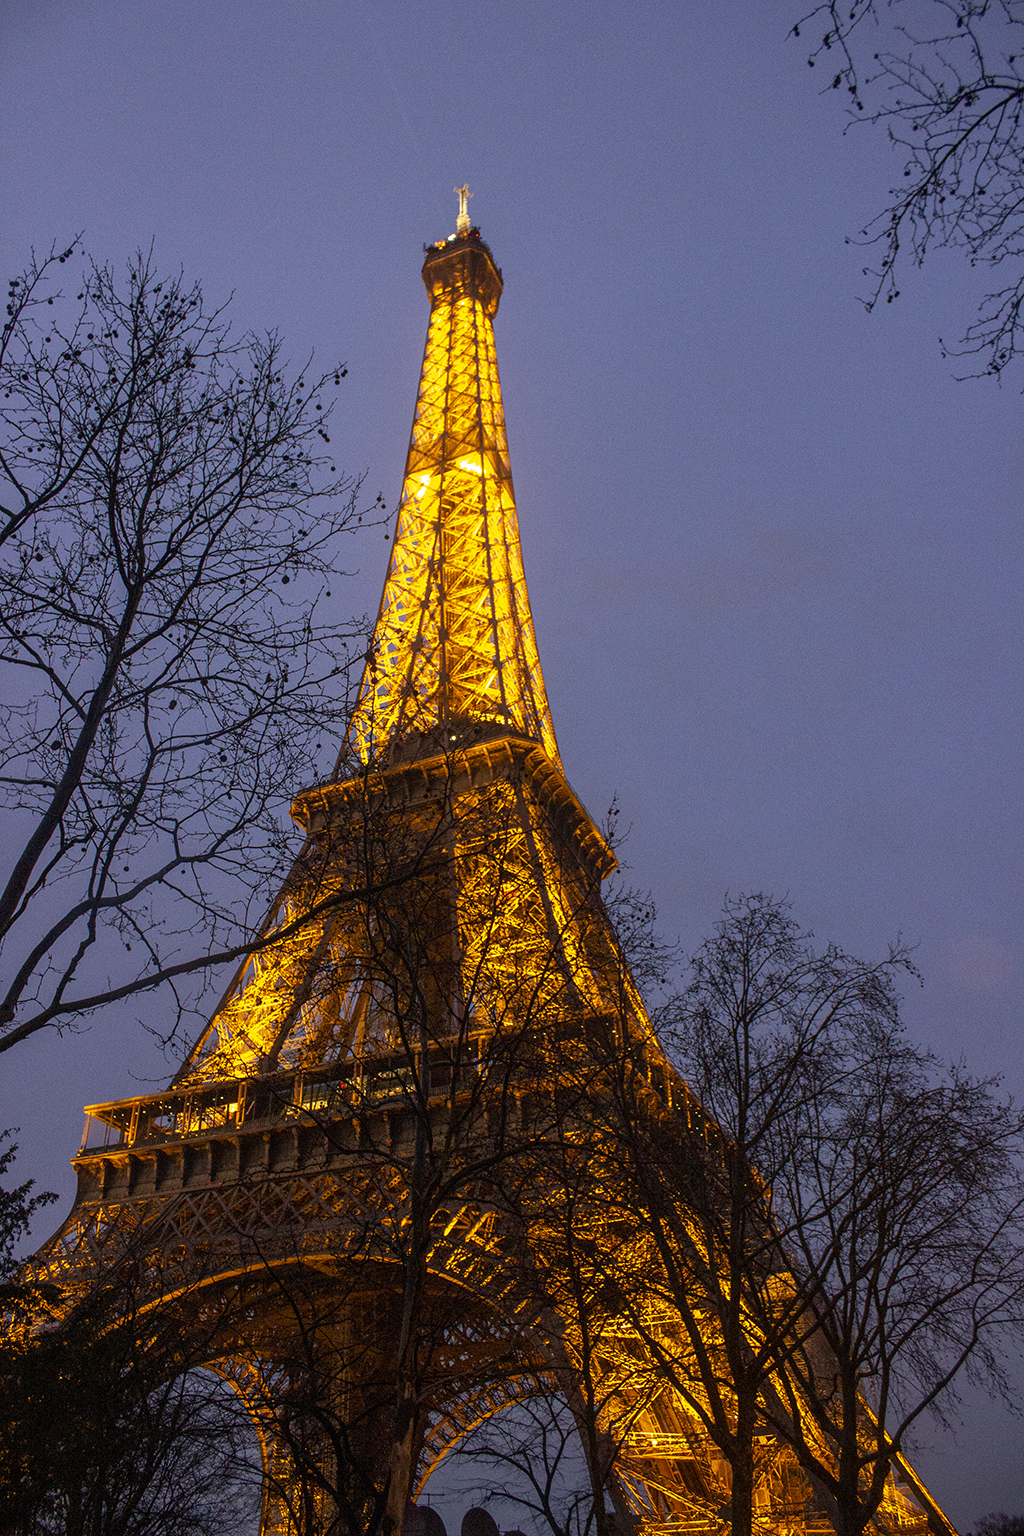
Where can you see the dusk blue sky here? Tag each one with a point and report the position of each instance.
(773, 547)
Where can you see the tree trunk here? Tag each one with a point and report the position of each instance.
(403, 1447)
(742, 1463)
(400, 1471)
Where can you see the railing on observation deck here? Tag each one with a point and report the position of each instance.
(326, 1092)
(333, 1091)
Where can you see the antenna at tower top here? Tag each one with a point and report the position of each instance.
(464, 195)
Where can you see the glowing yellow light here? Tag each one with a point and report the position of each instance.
(454, 635)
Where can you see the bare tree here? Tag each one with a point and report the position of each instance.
(451, 978)
(900, 1209)
(169, 522)
(945, 78)
(1000, 1524)
(110, 1430)
(864, 1223)
(408, 1025)
(681, 1185)
(809, 1247)
(566, 1199)
(531, 1457)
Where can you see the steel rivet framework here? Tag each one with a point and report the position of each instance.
(454, 637)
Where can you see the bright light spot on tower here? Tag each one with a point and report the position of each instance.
(473, 467)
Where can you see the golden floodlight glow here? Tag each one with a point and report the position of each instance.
(454, 637)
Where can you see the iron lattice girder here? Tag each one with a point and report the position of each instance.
(523, 864)
(454, 634)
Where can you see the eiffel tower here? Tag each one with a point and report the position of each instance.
(341, 1201)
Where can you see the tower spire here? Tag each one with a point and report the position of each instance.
(454, 640)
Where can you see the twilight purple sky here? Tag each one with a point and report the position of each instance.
(774, 549)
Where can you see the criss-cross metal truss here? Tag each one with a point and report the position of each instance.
(491, 835)
(454, 638)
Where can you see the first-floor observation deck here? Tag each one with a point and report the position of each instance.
(333, 1091)
(250, 1127)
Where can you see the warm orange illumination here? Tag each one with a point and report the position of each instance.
(454, 635)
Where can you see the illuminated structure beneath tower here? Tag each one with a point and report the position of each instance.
(359, 1183)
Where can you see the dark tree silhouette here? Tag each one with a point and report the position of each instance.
(169, 522)
(871, 1220)
(1000, 1524)
(945, 78)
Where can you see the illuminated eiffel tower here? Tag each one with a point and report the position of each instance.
(340, 1199)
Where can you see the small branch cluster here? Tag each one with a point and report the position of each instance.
(946, 79)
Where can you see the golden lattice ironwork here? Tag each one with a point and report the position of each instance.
(454, 639)
(495, 841)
